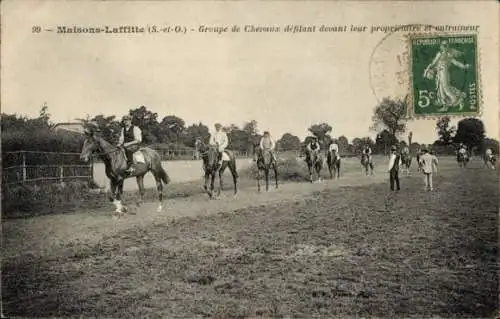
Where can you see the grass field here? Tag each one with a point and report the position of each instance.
(336, 249)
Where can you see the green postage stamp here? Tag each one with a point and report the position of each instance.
(444, 75)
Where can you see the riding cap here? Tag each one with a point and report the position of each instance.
(218, 125)
(394, 148)
(315, 137)
(266, 133)
(127, 117)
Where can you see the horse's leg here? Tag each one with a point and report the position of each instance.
(207, 181)
(266, 174)
(221, 173)
(118, 198)
(159, 189)
(338, 169)
(140, 184)
(212, 183)
(259, 174)
(331, 169)
(275, 174)
(234, 173)
(310, 173)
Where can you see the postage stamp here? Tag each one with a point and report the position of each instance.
(444, 75)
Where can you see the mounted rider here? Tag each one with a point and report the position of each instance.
(405, 150)
(462, 150)
(313, 145)
(219, 139)
(130, 139)
(368, 151)
(267, 144)
(334, 148)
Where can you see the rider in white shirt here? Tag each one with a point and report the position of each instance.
(267, 143)
(334, 148)
(219, 139)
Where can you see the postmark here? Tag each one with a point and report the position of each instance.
(444, 75)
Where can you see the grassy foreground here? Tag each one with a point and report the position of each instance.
(348, 252)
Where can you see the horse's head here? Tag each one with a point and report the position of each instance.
(90, 144)
(210, 158)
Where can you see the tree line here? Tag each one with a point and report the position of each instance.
(171, 132)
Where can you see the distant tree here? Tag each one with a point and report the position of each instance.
(343, 143)
(320, 130)
(109, 127)
(252, 132)
(471, 132)
(390, 114)
(171, 129)
(444, 131)
(384, 140)
(289, 142)
(193, 131)
(491, 143)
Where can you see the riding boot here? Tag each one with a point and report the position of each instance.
(130, 161)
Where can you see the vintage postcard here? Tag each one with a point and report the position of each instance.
(250, 159)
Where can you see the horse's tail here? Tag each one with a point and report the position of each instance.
(164, 176)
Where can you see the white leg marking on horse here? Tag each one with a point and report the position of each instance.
(118, 205)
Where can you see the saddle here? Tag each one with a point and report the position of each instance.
(137, 156)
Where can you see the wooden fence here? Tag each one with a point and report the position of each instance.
(30, 166)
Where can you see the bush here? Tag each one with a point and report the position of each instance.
(29, 200)
(289, 169)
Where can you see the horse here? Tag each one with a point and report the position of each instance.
(115, 162)
(211, 166)
(462, 159)
(314, 161)
(266, 162)
(333, 162)
(406, 162)
(366, 162)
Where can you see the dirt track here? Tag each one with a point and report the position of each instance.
(302, 251)
(46, 233)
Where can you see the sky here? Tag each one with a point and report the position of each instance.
(286, 82)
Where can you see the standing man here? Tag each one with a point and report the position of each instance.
(394, 164)
(130, 139)
(428, 162)
(219, 139)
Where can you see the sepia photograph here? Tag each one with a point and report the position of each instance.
(250, 159)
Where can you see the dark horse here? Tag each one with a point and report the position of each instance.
(406, 161)
(115, 163)
(366, 162)
(314, 162)
(266, 162)
(333, 161)
(211, 166)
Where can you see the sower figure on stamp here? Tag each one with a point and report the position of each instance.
(447, 95)
(394, 164)
(219, 139)
(130, 139)
(428, 162)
